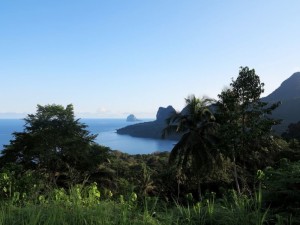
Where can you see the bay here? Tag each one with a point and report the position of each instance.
(107, 136)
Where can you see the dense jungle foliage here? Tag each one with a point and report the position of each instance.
(228, 168)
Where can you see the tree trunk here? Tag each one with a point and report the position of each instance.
(236, 177)
(199, 189)
(178, 190)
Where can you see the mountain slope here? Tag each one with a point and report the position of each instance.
(288, 90)
(288, 93)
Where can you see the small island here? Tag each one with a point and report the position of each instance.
(131, 118)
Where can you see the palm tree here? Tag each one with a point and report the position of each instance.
(196, 150)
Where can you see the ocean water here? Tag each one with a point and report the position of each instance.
(107, 136)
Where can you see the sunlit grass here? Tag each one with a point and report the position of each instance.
(82, 206)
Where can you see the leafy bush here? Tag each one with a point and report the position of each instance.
(282, 188)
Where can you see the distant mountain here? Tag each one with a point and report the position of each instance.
(289, 95)
(151, 129)
(288, 90)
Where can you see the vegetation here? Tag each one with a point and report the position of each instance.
(54, 145)
(196, 153)
(245, 129)
(228, 168)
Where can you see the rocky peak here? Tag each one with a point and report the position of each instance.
(164, 113)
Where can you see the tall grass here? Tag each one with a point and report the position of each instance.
(83, 206)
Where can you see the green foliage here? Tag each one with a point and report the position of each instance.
(282, 188)
(77, 207)
(17, 185)
(5, 185)
(293, 133)
(245, 127)
(196, 151)
(85, 205)
(55, 144)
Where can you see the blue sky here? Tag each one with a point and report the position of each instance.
(112, 58)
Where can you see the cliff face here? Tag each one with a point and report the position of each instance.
(151, 129)
(164, 113)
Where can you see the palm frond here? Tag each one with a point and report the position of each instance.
(168, 130)
(178, 148)
(196, 149)
(176, 123)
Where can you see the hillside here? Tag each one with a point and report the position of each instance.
(288, 93)
(288, 90)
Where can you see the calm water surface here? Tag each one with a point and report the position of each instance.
(107, 136)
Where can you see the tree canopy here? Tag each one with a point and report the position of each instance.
(245, 125)
(292, 132)
(53, 141)
(196, 151)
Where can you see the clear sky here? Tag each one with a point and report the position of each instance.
(110, 58)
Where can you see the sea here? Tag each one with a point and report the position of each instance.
(106, 135)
